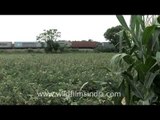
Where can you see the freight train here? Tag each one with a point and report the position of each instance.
(36, 45)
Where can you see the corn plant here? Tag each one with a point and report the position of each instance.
(140, 77)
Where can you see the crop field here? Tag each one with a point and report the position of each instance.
(29, 79)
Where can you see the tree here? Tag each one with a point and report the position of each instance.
(112, 35)
(90, 40)
(49, 37)
(56, 46)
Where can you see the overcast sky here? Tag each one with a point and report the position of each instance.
(72, 27)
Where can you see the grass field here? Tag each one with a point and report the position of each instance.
(24, 76)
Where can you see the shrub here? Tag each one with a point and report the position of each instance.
(101, 48)
(29, 50)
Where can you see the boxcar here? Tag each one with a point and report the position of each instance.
(4, 45)
(84, 44)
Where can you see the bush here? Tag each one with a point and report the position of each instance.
(2, 51)
(48, 50)
(29, 50)
(75, 50)
(101, 48)
(55, 46)
(61, 48)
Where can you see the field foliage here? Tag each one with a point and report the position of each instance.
(23, 76)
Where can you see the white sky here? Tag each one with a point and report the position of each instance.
(72, 27)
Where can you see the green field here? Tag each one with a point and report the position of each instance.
(23, 76)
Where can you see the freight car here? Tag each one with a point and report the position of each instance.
(84, 44)
(6, 45)
(65, 43)
(25, 45)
